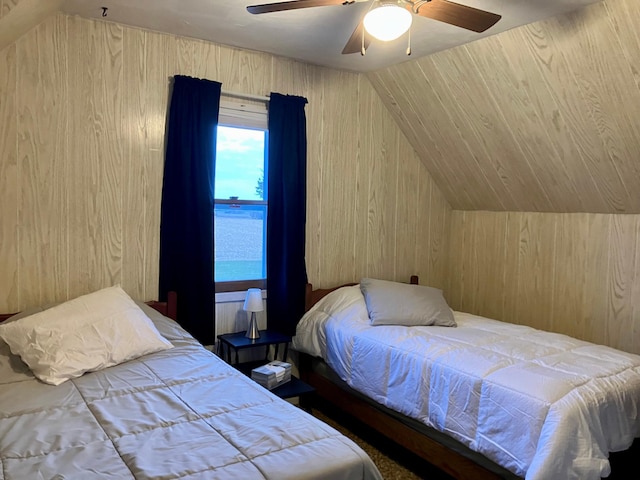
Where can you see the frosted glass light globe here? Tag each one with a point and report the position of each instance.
(387, 22)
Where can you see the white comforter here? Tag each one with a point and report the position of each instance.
(543, 405)
(180, 413)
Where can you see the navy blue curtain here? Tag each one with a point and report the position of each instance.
(287, 204)
(186, 228)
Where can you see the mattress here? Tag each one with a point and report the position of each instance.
(179, 413)
(539, 404)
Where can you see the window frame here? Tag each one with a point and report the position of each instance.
(247, 115)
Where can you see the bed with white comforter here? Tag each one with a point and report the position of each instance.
(542, 405)
(177, 413)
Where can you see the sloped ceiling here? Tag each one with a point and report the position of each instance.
(543, 118)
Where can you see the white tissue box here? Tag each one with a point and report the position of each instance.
(272, 375)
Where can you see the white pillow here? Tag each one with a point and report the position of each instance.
(393, 303)
(85, 334)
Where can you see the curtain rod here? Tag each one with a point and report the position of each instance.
(248, 96)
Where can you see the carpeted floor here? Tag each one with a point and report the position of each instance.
(394, 462)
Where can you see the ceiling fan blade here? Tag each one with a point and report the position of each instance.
(354, 44)
(294, 5)
(456, 14)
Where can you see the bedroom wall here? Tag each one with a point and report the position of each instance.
(577, 274)
(82, 118)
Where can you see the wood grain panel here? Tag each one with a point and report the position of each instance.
(135, 182)
(536, 270)
(381, 234)
(466, 149)
(96, 184)
(469, 268)
(488, 258)
(245, 71)
(9, 182)
(439, 215)
(623, 15)
(195, 58)
(510, 302)
(537, 118)
(599, 49)
(575, 274)
(622, 263)
(462, 82)
(569, 272)
(42, 100)
(633, 334)
(407, 206)
(366, 96)
(455, 284)
(506, 84)
(147, 58)
(592, 326)
(423, 232)
(18, 17)
(161, 54)
(439, 138)
(413, 127)
(553, 55)
(339, 195)
(6, 5)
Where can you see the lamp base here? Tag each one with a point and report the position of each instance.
(252, 331)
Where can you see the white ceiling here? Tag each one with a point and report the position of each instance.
(313, 35)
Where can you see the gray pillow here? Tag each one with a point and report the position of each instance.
(393, 303)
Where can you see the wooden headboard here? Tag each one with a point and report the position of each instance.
(311, 296)
(168, 308)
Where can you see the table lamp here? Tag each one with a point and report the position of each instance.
(253, 304)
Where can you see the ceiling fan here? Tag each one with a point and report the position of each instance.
(456, 14)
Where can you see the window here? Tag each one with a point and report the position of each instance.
(240, 197)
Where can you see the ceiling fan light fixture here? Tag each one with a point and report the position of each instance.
(387, 22)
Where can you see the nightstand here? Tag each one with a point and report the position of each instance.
(237, 341)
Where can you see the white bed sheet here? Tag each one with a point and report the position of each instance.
(543, 405)
(179, 413)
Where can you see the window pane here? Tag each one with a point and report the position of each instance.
(240, 163)
(240, 229)
(240, 242)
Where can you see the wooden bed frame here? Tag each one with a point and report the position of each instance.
(426, 448)
(168, 308)
(432, 451)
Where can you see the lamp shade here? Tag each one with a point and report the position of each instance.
(387, 22)
(253, 300)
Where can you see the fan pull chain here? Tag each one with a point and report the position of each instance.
(362, 49)
(409, 43)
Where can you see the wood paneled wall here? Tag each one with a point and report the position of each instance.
(577, 274)
(82, 119)
(541, 118)
(6, 5)
(17, 17)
